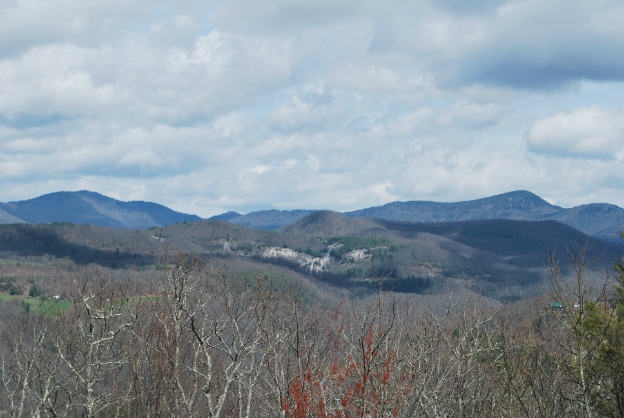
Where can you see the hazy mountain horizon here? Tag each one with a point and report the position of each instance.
(602, 220)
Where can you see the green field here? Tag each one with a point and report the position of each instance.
(37, 305)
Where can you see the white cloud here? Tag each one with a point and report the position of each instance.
(53, 80)
(243, 105)
(375, 79)
(590, 132)
(530, 44)
(216, 73)
(470, 113)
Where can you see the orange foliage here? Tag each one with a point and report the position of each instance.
(349, 385)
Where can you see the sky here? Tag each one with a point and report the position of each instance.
(209, 106)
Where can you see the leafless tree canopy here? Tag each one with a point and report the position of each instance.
(201, 344)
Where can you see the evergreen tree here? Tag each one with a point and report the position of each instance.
(604, 330)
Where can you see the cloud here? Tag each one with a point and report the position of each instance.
(25, 24)
(591, 132)
(535, 45)
(471, 113)
(275, 16)
(53, 81)
(215, 106)
(216, 73)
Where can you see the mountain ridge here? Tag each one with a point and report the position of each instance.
(500, 259)
(601, 220)
(87, 207)
(516, 204)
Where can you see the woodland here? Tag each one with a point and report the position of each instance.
(192, 336)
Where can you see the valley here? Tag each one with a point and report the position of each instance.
(296, 320)
(498, 259)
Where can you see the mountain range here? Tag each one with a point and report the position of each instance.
(496, 247)
(600, 220)
(85, 207)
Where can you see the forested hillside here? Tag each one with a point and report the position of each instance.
(330, 316)
(501, 260)
(600, 220)
(196, 342)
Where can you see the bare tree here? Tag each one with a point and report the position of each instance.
(574, 297)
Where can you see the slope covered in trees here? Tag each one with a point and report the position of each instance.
(195, 342)
(502, 260)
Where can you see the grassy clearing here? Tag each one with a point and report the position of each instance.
(48, 306)
(37, 305)
(8, 298)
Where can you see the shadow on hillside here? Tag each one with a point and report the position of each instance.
(27, 240)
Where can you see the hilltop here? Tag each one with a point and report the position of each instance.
(85, 207)
(498, 259)
(601, 220)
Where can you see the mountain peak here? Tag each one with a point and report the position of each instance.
(87, 207)
(518, 205)
(521, 196)
(328, 222)
(227, 216)
(517, 202)
(270, 219)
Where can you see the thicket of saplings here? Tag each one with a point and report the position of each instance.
(200, 344)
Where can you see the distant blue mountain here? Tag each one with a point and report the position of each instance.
(264, 219)
(597, 219)
(518, 205)
(227, 216)
(85, 207)
(601, 220)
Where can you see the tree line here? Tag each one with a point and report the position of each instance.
(198, 343)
